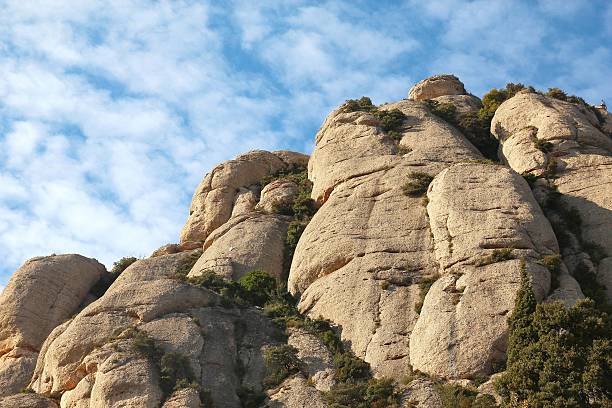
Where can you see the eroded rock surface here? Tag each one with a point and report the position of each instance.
(363, 254)
(43, 293)
(435, 86)
(93, 356)
(545, 136)
(243, 244)
(227, 186)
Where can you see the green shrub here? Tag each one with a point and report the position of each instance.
(591, 288)
(530, 178)
(257, 287)
(542, 145)
(281, 362)
(445, 110)
(424, 286)
(122, 264)
(417, 184)
(376, 393)
(186, 264)
(175, 372)
(557, 357)
(174, 369)
(391, 122)
(553, 264)
(498, 255)
(456, 396)
(350, 368)
(495, 97)
(362, 104)
(557, 94)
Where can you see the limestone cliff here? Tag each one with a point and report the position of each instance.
(393, 257)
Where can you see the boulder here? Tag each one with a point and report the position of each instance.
(296, 393)
(277, 195)
(243, 244)
(474, 211)
(41, 294)
(214, 199)
(317, 359)
(27, 401)
(435, 86)
(421, 393)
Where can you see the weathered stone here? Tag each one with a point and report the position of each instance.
(43, 293)
(579, 156)
(185, 398)
(475, 209)
(435, 86)
(318, 360)
(295, 393)
(361, 257)
(214, 199)
(277, 195)
(27, 401)
(243, 244)
(421, 393)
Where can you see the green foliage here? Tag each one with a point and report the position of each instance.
(495, 97)
(417, 184)
(174, 369)
(520, 323)
(257, 287)
(591, 288)
(424, 286)
(456, 396)
(376, 393)
(175, 372)
(553, 264)
(530, 178)
(281, 362)
(445, 110)
(542, 145)
(106, 280)
(301, 209)
(122, 264)
(391, 122)
(571, 221)
(254, 288)
(363, 104)
(557, 357)
(498, 255)
(294, 232)
(557, 94)
(474, 126)
(186, 264)
(350, 368)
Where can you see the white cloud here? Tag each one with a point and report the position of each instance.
(111, 111)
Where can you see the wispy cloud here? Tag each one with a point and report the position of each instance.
(111, 111)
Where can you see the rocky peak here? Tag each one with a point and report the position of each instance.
(435, 86)
(383, 270)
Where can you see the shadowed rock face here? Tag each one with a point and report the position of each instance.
(364, 262)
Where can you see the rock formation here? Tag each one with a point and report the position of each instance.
(404, 250)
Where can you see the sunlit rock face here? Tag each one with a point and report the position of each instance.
(395, 231)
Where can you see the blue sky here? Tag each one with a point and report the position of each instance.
(112, 111)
